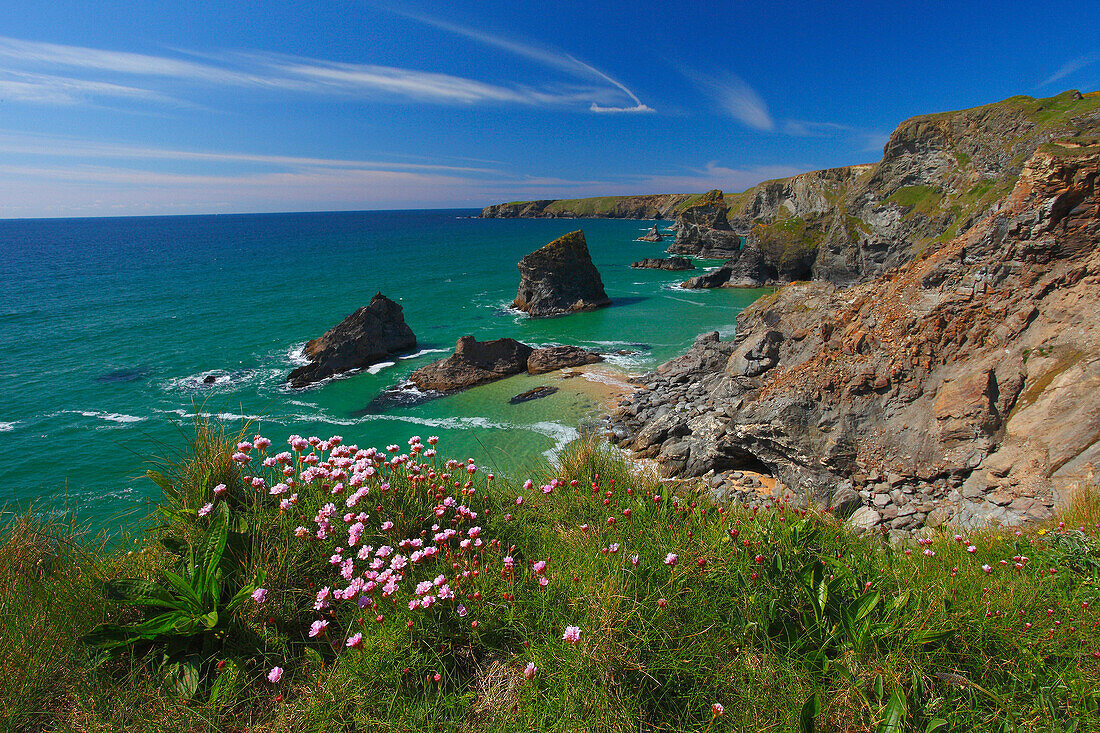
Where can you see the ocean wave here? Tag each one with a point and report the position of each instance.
(219, 415)
(424, 352)
(115, 417)
(375, 368)
(562, 435)
(211, 378)
(7, 427)
(297, 355)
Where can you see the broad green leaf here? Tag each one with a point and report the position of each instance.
(810, 710)
(139, 593)
(894, 715)
(879, 691)
(859, 608)
(184, 677)
(160, 480)
(184, 590)
(210, 550)
(935, 724)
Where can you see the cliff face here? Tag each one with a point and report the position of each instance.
(656, 206)
(938, 176)
(963, 386)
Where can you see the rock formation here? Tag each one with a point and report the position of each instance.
(963, 386)
(551, 358)
(702, 229)
(477, 362)
(651, 236)
(665, 263)
(659, 206)
(560, 278)
(717, 279)
(372, 334)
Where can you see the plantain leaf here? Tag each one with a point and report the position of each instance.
(810, 710)
(894, 714)
(139, 593)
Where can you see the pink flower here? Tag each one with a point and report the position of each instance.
(538, 567)
(671, 559)
(519, 501)
(259, 595)
(987, 568)
(275, 675)
(220, 489)
(206, 509)
(317, 628)
(717, 710)
(572, 634)
(528, 484)
(530, 670)
(355, 640)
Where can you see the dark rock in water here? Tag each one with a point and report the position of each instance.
(559, 357)
(474, 362)
(703, 229)
(560, 278)
(533, 394)
(122, 375)
(397, 396)
(660, 263)
(373, 333)
(651, 236)
(209, 379)
(717, 279)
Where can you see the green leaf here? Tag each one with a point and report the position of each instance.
(894, 715)
(313, 656)
(160, 480)
(184, 677)
(139, 593)
(175, 545)
(209, 553)
(810, 710)
(210, 620)
(935, 724)
(879, 691)
(186, 593)
(859, 608)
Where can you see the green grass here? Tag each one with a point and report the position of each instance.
(922, 199)
(762, 611)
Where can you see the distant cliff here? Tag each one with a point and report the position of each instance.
(657, 206)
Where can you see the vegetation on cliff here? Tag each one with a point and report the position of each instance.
(320, 586)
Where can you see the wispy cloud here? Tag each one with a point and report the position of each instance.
(540, 54)
(735, 97)
(1071, 67)
(47, 73)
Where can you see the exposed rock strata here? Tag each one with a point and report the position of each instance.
(478, 362)
(656, 206)
(665, 263)
(372, 334)
(652, 235)
(560, 278)
(962, 387)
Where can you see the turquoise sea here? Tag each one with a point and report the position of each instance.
(108, 328)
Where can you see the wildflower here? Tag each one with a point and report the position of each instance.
(259, 595)
(661, 603)
(572, 634)
(539, 567)
(529, 671)
(301, 532)
(519, 501)
(717, 710)
(355, 640)
(261, 442)
(972, 549)
(988, 569)
(317, 628)
(634, 560)
(275, 675)
(671, 559)
(206, 509)
(220, 489)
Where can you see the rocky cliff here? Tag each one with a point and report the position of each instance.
(657, 206)
(939, 175)
(559, 278)
(962, 385)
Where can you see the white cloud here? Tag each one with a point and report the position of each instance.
(1071, 67)
(735, 97)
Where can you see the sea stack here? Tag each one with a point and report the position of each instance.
(372, 334)
(559, 279)
(651, 236)
(474, 362)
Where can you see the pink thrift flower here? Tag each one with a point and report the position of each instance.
(671, 559)
(317, 628)
(275, 675)
(220, 489)
(355, 640)
(717, 710)
(259, 595)
(206, 509)
(572, 634)
(538, 567)
(530, 670)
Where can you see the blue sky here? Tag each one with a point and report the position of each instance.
(120, 108)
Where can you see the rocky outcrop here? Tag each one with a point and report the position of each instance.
(656, 206)
(665, 263)
(372, 334)
(939, 175)
(477, 362)
(702, 229)
(652, 235)
(962, 387)
(474, 362)
(560, 278)
(719, 278)
(551, 358)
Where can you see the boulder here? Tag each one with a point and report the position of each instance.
(716, 279)
(560, 278)
(533, 394)
(474, 362)
(651, 236)
(661, 263)
(374, 333)
(559, 357)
